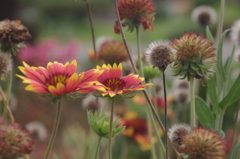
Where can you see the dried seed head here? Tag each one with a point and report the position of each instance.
(177, 131)
(14, 141)
(202, 144)
(5, 65)
(158, 54)
(181, 95)
(194, 56)
(235, 32)
(204, 15)
(13, 32)
(135, 12)
(38, 130)
(113, 51)
(89, 103)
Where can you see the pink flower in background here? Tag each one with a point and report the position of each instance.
(49, 50)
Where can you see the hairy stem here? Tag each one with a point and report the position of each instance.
(97, 148)
(55, 128)
(110, 131)
(192, 104)
(165, 113)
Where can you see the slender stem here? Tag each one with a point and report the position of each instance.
(235, 129)
(110, 131)
(9, 88)
(153, 148)
(192, 106)
(98, 145)
(55, 128)
(135, 71)
(8, 108)
(140, 65)
(124, 38)
(165, 113)
(92, 31)
(220, 22)
(219, 121)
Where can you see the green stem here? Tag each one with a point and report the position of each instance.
(165, 113)
(55, 128)
(9, 89)
(153, 148)
(110, 131)
(136, 72)
(219, 121)
(140, 65)
(98, 145)
(8, 108)
(220, 22)
(192, 106)
(92, 31)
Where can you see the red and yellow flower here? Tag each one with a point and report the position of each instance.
(118, 86)
(58, 79)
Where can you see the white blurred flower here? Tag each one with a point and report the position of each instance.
(38, 130)
(204, 15)
(235, 32)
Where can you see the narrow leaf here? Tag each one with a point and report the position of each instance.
(219, 57)
(212, 92)
(204, 114)
(236, 151)
(209, 34)
(233, 94)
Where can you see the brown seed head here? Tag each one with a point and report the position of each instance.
(113, 52)
(135, 12)
(204, 15)
(14, 141)
(13, 32)
(158, 54)
(202, 144)
(177, 131)
(5, 64)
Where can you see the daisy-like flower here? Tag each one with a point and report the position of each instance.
(135, 12)
(194, 56)
(202, 144)
(204, 15)
(235, 32)
(14, 141)
(11, 34)
(158, 54)
(118, 86)
(60, 80)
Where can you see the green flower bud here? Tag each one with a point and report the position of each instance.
(101, 124)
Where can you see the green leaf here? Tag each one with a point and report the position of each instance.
(233, 94)
(212, 92)
(236, 151)
(209, 34)
(204, 114)
(219, 57)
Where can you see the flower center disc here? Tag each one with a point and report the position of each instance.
(55, 79)
(114, 84)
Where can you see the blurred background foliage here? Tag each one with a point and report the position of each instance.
(65, 19)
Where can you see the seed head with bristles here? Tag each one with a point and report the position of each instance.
(158, 54)
(177, 131)
(235, 32)
(194, 56)
(5, 65)
(202, 144)
(204, 15)
(11, 34)
(14, 141)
